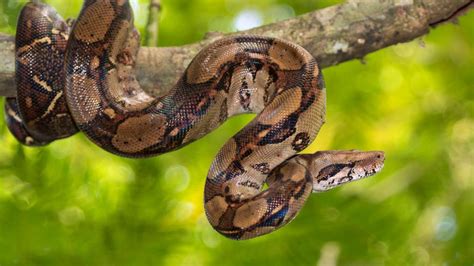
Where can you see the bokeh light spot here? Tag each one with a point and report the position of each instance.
(446, 227)
(248, 19)
(71, 215)
(176, 178)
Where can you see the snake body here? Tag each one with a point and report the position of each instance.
(83, 79)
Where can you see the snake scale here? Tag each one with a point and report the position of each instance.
(80, 77)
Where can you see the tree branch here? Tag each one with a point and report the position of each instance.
(333, 35)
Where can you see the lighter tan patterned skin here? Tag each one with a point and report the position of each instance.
(96, 91)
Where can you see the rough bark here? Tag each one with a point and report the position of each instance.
(7, 66)
(333, 35)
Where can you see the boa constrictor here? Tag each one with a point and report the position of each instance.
(83, 79)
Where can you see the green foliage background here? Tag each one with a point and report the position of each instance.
(71, 203)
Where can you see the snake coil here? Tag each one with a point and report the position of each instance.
(84, 79)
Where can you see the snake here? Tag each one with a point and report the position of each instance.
(80, 76)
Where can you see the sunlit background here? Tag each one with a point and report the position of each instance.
(71, 203)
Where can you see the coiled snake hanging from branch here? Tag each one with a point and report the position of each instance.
(83, 79)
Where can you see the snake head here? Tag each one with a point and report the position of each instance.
(334, 168)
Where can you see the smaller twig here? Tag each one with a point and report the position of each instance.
(152, 26)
